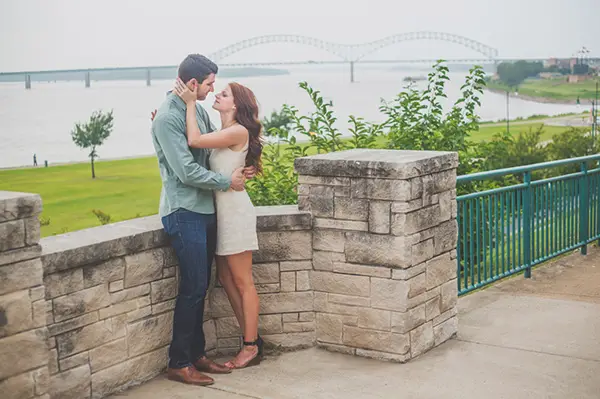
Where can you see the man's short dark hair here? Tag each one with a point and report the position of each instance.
(196, 66)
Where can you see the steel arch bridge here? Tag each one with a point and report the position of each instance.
(347, 53)
(355, 52)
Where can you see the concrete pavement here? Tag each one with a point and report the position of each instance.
(536, 338)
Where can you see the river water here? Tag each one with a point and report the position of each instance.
(40, 120)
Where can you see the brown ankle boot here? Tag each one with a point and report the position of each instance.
(189, 375)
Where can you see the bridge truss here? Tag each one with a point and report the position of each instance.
(354, 52)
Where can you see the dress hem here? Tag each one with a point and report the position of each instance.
(235, 252)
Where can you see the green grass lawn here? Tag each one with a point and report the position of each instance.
(557, 89)
(124, 189)
(486, 133)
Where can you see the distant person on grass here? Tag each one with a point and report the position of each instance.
(191, 174)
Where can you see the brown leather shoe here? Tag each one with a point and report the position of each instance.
(206, 365)
(189, 375)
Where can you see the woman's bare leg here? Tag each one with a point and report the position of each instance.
(240, 266)
(226, 280)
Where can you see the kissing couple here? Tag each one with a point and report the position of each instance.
(203, 169)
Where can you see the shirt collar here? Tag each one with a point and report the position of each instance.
(177, 101)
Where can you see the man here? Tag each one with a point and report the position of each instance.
(188, 216)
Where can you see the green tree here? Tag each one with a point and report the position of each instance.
(572, 143)
(277, 125)
(92, 134)
(581, 69)
(364, 134)
(416, 120)
(506, 150)
(320, 126)
(278, 184)
(513, 74)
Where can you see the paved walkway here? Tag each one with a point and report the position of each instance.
(536, 338)
(570, 120)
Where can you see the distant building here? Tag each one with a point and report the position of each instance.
(550, 62)
(549, 75)
(562, 63)
(578, 78)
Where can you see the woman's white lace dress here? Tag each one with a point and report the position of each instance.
(236, 216)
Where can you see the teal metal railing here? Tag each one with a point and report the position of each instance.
(508, 230)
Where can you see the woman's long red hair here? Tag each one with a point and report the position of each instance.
(247, 116)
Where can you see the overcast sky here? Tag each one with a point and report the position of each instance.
(62, 34)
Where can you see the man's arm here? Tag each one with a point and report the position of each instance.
(175, 147)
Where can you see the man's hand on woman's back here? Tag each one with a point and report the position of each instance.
(249, 172)
(238, 180)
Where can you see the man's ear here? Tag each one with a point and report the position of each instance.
(192, 83)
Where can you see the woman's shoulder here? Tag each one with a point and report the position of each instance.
(240, 129)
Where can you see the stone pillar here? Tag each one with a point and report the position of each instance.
(384, 248)
(23, 309)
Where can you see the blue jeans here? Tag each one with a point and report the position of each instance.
(193, 236)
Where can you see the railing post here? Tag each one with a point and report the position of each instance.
(584, 211)
(597, 192)
(527, 224)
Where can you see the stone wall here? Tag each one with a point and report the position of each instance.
(109, 291)
(384, 239)
(92, 313)
(365, 265)
(23, 310)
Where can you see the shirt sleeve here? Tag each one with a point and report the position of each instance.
(167, 130)
(211, 127)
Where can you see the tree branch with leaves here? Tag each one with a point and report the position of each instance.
(92, 134)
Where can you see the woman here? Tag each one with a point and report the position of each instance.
(237, 144)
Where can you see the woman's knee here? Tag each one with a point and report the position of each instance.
(243, 283)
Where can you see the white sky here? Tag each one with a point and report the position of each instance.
(57, 34)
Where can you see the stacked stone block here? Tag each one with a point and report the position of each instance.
(384, 238)
(110, 294)
(23, 309)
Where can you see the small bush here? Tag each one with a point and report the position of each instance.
(104, 218)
